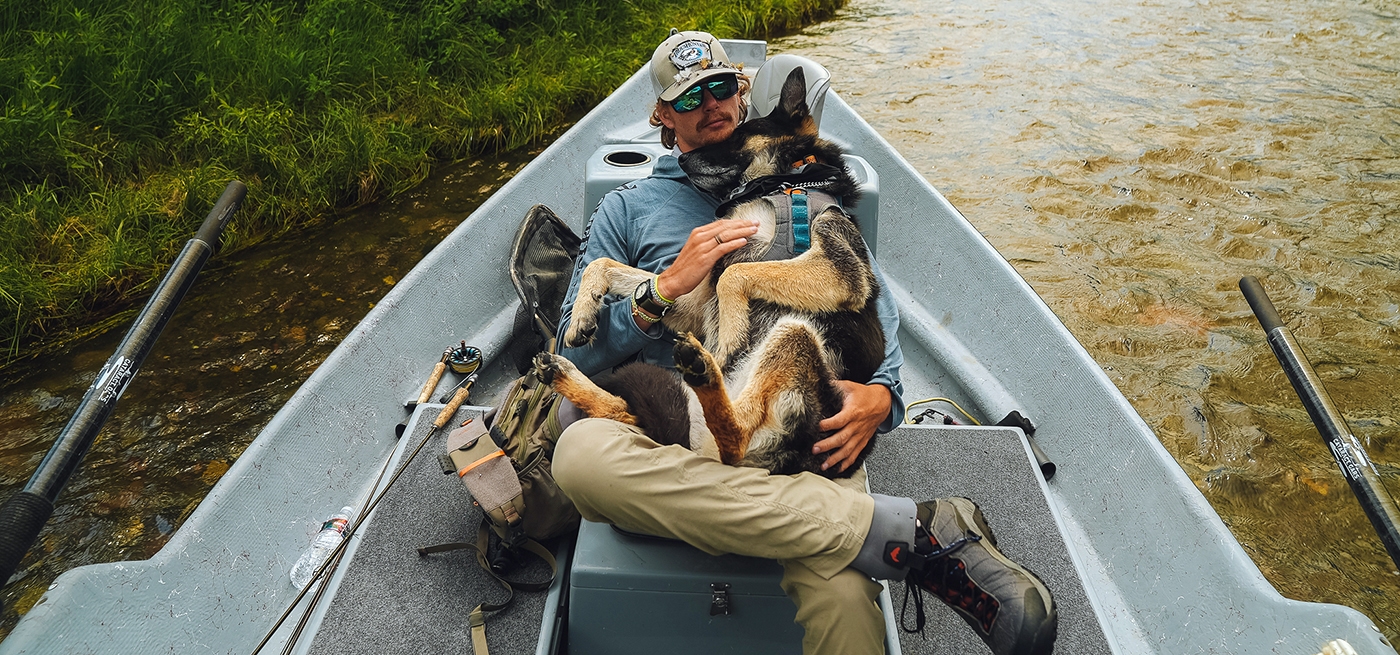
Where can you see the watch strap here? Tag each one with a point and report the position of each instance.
(645, 299)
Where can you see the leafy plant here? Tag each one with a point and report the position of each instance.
(123, 121)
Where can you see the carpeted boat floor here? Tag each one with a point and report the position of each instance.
(989, 466)
(393, 601)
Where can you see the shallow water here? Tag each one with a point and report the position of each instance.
(253, 328)
(1132, 161)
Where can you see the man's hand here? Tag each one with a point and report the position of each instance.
(705, 246)
(865, 409)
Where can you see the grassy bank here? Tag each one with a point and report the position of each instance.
(123, 121)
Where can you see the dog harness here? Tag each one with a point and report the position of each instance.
(796, 198)
(794, 210)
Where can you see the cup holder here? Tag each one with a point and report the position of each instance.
(625, 158)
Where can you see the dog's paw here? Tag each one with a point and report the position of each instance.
(549, 367)
(693, 363)
(580, 332)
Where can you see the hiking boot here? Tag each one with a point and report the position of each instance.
(955, 558)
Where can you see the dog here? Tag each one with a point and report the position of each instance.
(782, 332)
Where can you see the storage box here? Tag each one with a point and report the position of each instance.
(630, 594)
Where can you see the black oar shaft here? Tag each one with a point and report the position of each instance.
(1356, 467)
(24, 514)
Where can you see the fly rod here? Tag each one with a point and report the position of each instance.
(1351, 457)
(24, 514)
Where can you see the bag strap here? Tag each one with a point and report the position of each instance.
(477, 617)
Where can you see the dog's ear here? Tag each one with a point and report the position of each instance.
(792, 104)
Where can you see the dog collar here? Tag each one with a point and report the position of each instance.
(800, 164)
(811, 176)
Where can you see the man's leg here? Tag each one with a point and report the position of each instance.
(837, 615)
(616, 474)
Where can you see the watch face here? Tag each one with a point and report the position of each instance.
(642, 296)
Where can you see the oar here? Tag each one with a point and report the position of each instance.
(24, 514)
(1351, 457)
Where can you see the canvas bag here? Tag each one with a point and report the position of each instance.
(504, 458)
(508, 471)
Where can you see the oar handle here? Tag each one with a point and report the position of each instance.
(218, 218)
(1260, 303)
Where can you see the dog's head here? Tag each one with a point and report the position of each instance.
(772, 145)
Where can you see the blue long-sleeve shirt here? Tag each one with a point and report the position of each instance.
(644, 224)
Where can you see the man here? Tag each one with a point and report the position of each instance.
(830, 537)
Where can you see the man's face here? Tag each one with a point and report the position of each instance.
(713, 121)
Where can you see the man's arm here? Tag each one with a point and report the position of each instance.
(618, 336)
(869, 408)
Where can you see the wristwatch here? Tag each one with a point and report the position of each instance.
(648, 302)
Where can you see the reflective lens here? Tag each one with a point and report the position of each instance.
(720, 87)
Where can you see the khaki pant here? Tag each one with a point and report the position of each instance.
(812, 526)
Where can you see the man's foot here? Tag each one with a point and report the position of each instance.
(955, 558)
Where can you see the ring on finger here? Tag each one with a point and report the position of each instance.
(719, 240)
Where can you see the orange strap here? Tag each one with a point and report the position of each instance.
(479, 462)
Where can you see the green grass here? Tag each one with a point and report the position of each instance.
(122, 122)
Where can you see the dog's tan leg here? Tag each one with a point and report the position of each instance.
(699, 370)
(602, 277)
(788, 369)
(789, 366)
(566, 379)
(834, 275)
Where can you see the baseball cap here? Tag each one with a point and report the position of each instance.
(685, 58)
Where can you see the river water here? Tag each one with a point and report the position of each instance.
(1132, 160)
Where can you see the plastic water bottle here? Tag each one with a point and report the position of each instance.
(322, 545)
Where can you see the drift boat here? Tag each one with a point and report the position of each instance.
(1138, 561)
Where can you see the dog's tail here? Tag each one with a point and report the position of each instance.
(656, 397)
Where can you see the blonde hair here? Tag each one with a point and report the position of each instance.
(668, 135)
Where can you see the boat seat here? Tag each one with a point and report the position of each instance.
(768, 85)
(632, 593)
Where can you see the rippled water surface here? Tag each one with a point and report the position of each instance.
(248, 334)
(1131, 159)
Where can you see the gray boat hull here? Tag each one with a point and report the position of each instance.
(1162, 572)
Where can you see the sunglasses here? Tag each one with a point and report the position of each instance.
(720, 88)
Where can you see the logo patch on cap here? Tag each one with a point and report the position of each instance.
(690, 53)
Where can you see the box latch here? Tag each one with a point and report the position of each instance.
(719, 599)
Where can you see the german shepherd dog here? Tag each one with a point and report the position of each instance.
(781, 332)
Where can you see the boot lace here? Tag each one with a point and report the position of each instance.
(946, 578)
